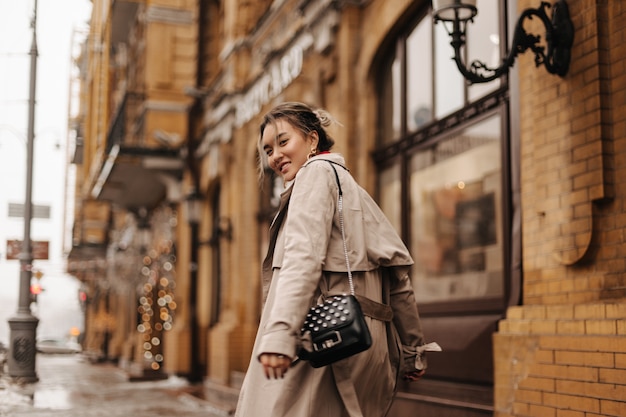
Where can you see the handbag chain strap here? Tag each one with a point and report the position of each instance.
(343, 231)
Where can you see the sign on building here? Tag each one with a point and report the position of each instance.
(39, 249)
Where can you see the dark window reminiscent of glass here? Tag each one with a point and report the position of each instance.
(443, 176)
(456, 219)
(442, 187)
(419, 77)
(483, 43)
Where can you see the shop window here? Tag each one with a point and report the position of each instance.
(455, 190)
(443, 176)
(440, 166)
(419, 77)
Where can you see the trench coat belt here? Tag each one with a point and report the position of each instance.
(374, 309)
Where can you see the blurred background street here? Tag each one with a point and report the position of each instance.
(71, 386)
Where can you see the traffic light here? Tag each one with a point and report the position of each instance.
(82, 298)
(35, 286)
(35, 290)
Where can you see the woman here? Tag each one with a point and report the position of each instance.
(306, 262)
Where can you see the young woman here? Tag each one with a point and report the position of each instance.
(306, 263)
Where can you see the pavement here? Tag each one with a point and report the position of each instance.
(72, 386)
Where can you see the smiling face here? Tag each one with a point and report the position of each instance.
(286, 148)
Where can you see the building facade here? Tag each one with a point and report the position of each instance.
(507, 192)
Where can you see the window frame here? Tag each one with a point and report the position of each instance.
(399, 150)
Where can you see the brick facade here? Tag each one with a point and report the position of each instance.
(561, 353)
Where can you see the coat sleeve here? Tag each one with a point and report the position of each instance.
(406, 317)
(307, 229)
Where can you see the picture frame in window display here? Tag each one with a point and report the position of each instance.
(475, 220)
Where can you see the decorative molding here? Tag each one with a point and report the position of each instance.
(168, 15)
(169, 106)
(282, 59)
(280, 73)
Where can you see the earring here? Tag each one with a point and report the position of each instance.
(312, 153)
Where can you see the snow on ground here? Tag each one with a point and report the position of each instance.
(10, 396)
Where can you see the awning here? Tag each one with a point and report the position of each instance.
(138, 178)
(86, 258)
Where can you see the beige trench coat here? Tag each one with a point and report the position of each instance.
(305, 261)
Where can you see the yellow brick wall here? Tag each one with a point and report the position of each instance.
(561, 361)
(563, 352)
(564, 172)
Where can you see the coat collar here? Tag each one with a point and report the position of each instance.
(333, 157)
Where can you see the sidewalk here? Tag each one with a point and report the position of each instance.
(71, 386)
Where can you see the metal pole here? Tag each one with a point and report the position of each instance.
(196, 372)
(22, 349)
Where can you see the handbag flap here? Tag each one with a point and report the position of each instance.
(334, 313)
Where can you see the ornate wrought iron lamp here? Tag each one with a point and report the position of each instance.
(555, 55)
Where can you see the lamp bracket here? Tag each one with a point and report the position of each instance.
(555, 56)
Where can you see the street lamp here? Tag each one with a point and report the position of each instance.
(559, 35)
(23, 325)
(194, 214)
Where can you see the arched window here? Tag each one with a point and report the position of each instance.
(444, 178)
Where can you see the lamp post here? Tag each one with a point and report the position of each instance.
(194, 205)
(23, 325)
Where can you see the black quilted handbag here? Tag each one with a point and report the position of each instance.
(336, 328)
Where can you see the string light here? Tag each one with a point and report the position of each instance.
(156, 306)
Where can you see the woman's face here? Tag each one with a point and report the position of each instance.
(287, 149)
